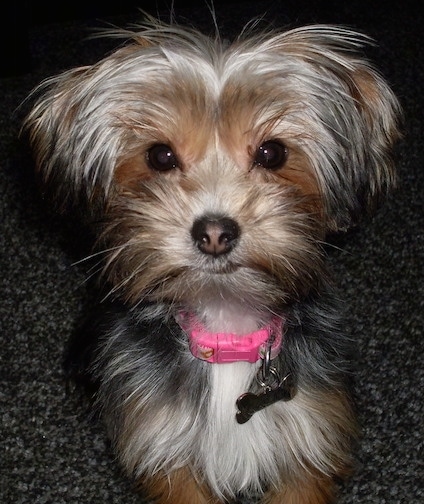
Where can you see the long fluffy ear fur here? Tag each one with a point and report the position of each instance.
(74, 144)
(380, 112)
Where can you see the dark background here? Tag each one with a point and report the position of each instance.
(50, 452)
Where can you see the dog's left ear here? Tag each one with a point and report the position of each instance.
(370, 166)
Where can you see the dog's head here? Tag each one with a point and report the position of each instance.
(217, 170)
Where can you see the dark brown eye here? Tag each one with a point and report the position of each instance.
(271, 155)
(160, 157)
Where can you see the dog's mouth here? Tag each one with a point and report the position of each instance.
(219, 266)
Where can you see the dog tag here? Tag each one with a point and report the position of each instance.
(248, 404)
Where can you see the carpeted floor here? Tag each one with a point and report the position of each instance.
(49, 451)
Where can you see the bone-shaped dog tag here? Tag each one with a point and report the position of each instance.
(248, 404)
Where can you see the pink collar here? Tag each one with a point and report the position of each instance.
(229, 347)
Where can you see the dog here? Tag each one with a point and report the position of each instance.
(211, 174)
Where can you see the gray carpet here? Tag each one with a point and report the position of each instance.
(50, 452)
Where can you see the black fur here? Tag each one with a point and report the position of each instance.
(315, 350)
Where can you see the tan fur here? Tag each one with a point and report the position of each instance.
(310, 490)
(178, 488)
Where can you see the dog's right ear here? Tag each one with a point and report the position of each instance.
(61, 146)
(77, 129)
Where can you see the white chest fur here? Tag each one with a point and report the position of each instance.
(230, 457)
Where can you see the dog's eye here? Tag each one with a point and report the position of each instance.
(160, 157)
(271, 155)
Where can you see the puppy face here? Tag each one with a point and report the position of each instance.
(217, 171)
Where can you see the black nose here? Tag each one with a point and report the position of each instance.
(215, 235)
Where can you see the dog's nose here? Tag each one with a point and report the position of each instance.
(215, 235)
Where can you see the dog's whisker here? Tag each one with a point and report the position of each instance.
(96, 254)
(328, 244)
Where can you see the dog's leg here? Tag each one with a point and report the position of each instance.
(312, 490)
(178, 487)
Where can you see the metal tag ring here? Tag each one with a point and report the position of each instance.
(272, 380)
